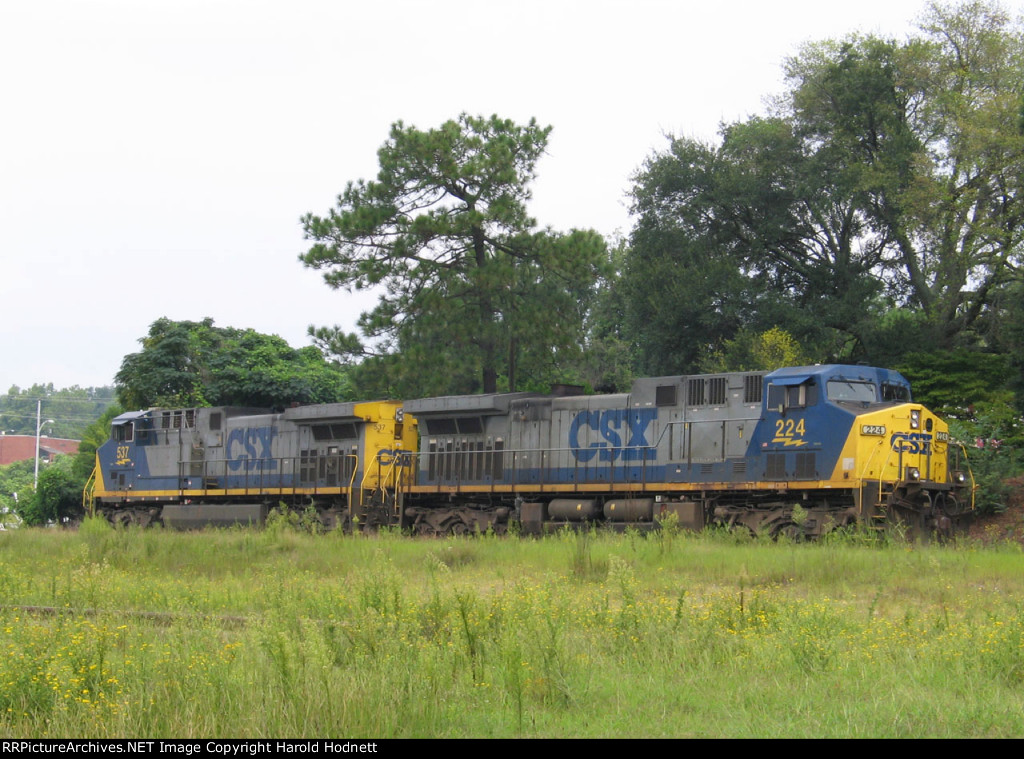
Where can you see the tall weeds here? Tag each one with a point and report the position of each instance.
(257, 634)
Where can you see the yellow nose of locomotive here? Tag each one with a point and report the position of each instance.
(905, 443)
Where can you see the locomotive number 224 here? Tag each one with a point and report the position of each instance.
(787, 430)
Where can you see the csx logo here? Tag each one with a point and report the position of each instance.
(242, 447)
(911, 442)
(617, 428)
(386, 457)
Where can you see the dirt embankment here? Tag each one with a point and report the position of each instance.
(1008, 525)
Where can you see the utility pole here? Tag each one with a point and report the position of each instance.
(39, 427)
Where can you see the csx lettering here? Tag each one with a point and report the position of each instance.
(242, 444)
(386, 457)
(911, 442)
(612, 426)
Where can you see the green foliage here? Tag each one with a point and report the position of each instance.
(95, 435)
(764, 351)
(928, 131)
(57, 497)
(15, 485)
(71, 409)
(683, 292)
(886, 177)
(1002, 328)
(470, 290)
(953, 383)
(235, 632)
(197, 364)
(992, 436)
(609, 362)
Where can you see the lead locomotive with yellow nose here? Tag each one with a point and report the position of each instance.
(850, 443)
(799, 452)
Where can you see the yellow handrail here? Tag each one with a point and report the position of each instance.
(391, 478)
(970, 472)
(352, 480)
(88, 501)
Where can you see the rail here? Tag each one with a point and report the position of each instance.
(515, 466)
(307, 474)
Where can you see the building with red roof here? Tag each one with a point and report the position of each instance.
(20, 447)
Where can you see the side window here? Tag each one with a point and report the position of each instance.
(792, 396)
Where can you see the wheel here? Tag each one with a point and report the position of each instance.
(458, 528)
(788, 531)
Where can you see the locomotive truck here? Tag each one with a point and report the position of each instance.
(798, 452)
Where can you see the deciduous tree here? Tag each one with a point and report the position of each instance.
(928, 135)
(197, 364)
(887, 176)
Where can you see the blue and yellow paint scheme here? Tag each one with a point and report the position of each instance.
(799, 451)
(228, 465)
(845, 443)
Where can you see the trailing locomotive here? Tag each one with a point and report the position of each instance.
(221, 466)
(798, 451)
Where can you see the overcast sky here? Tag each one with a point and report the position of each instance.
(156, 156)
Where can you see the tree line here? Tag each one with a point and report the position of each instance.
(873, 214)
(61, 413)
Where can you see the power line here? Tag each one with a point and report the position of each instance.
(54, 399)
(31, 417)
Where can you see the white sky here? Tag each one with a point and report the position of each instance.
(156, 155)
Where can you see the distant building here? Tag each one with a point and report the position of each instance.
(20, 447)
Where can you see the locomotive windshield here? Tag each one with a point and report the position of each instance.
(893, 392)
(857, 392)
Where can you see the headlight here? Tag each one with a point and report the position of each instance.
(959, 478)
(913, 473)
(915, 419)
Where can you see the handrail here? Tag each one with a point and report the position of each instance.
(352, 480)
(862, 474)
(88, 499)
(391, 478)
(510, 465)
(970, 472)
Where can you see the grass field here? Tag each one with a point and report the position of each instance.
(276, 633)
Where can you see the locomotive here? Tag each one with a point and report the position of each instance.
(797, 452)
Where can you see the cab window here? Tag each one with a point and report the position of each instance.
(894, 392)
(792, 396)
(857, 392)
